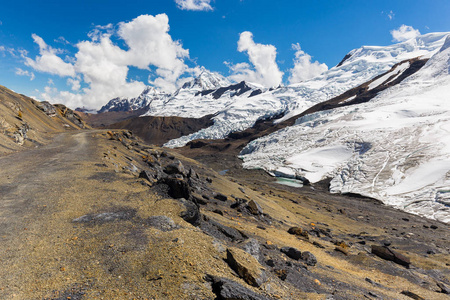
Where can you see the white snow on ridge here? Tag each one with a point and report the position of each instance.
(395, 148)
(239, 113)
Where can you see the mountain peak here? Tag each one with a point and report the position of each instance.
(207, 81)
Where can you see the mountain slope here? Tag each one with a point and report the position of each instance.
(25, 122)
(360, 66)
(395, 148)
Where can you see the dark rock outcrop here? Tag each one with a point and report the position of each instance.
(226, 289)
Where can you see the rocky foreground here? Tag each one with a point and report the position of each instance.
(102, 215)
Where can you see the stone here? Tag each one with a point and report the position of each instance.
(174, 168)
(254, 207)
(246, 266)
(341, 249)
(309, 258)
(220, 231)
(292, 252)
(412, 295)
(444, 289)
(218, 211)
(191, 214)
(178, 188)
(253, 248)
(226, 289)
(389, 254)
(295, 230)
(220, 197)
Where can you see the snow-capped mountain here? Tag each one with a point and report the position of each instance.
(395, 148)
(358, 67)
(125, 104)
(207, 94)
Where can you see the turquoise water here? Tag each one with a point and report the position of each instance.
(289, 182)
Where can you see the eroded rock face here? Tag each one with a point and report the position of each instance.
(246, 266)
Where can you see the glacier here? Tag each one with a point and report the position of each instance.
(395, 148)
(239, 113)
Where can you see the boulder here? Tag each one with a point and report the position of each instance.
(292, 252)
(191, 214)
(178, 187)
(227, 289)
(175, 168)
(246, 266)
(309, 258)
(254, 208)
(220, 197)
(389, 254)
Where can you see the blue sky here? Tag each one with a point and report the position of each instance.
(86, 52)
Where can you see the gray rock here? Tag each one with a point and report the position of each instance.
(389, 254)
(292, 252)
(220, 197)
(246, 266)
(309, 258)
(178, 187)
(253, 248)
(226, 289)
(175, 168)
(192, 213)
(254, 208)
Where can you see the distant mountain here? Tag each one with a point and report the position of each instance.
(126, 104)
(395, 147)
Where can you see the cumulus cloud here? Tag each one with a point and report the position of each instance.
(99, 70)
(265, 70)
(203, 5)
(48, 61)
(22, 72)
(404, 33)
(304, 68)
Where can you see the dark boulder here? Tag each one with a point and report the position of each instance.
(226, 289)
(389, 254)
(220, 197)
(292, 252)
(178, 187)
(309, 258)
(191, 214)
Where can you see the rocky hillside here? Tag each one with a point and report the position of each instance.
(135, 221)
(25, 122)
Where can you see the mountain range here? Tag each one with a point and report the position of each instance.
(372, 85)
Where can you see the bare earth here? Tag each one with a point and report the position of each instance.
(73, 225)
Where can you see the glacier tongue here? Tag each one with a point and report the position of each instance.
(395, 148)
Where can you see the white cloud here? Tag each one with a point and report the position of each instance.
(265, 70)
(194, 4)
(2, 48)
(404, 33)
(102, 66)
(62, 40)
(304, 68)
(391, 15)
(48, 61)
(74, 83)
(22, 72)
